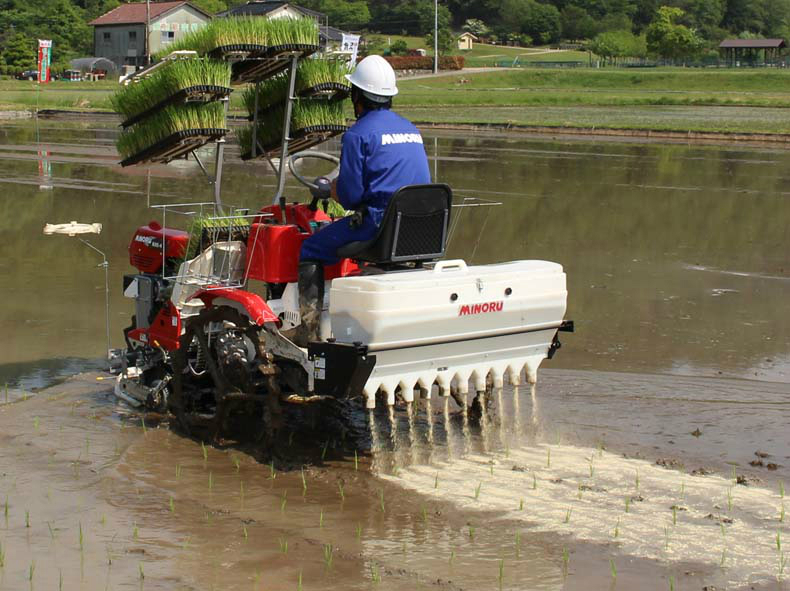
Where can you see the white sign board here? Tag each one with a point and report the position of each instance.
(350, 45)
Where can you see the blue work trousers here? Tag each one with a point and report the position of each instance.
(322, 246)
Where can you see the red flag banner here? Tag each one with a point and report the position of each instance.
(44, 59)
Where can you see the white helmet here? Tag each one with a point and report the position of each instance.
(375, 78)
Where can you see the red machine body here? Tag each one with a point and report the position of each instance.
(145, 249)
(273, 249)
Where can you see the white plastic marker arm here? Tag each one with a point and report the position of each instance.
(72, 228)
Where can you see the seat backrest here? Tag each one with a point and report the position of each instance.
(414, 227)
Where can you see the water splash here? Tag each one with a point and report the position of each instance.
(375, 441)
(448, 428)
(429, 434)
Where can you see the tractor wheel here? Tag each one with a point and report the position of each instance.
(216, 378)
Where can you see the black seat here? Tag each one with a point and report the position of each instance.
(414, 228)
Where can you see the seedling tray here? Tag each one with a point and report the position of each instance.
(269, 62)
(333, 91)
(173, 146)
(203, 93)
(302, 139)
(237, 51)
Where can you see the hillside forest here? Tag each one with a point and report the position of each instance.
(670, 29)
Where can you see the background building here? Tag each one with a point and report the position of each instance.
(119, 35)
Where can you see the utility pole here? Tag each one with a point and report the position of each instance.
(147, 32)
(435, 36)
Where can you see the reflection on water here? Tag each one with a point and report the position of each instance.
(676, 255)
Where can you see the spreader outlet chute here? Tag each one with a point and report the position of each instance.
(451, 324)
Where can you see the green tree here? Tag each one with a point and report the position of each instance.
(476, 27)
(670, 40)
(18, 51)
(446, 40)
(399, 47)
(577, 24)
(614, 45)
(352, 14)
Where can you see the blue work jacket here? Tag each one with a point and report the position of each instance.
(381, 153)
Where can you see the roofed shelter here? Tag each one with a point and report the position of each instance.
(737, 51)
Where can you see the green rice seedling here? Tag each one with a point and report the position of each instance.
(782, 514)
(81, 538)
(548, 457)
(375, 575)
(424, 513)
(27, 518)
(636, 480)
(2, 556)
(782, 563)
(205, 451)
(244, 531)
(521, 505)
(340, 490)
(323, 451)
(328, 555)
(734, 475)
(501, 577)
(381, 500)
(284, 501)
(5, 508)
(674, 515)
(452, 557)
(165, 123)
(600, 449)
(241, 492)
(534, 481)
(210, 481)
(315, 71)
(31, 571)
(627, 504)
(471, 533)
(781, 486)
(35, 423)
(518, 543)
(666, 538)
(60, 580)
(283, 545)
(779, 541)
(579, 492)
(617, 529)
(671, 583)
(172, 504)
(359, 531)
(568, 514)
(140, 570)
(178, 471)
(6, 392)
(51, 531)
(145, 93)
(356, 461)
(304, 484)
(321, 520)
(436, 481)
(135, 531)
(729, 499)
(565, 560)
(142, 422)
(613, 568)
(236, 463)
(477, 491)
(103, 519)
(272, 471)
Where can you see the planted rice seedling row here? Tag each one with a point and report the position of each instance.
(137, 98)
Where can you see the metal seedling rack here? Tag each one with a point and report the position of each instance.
(176, 145)
(268, 62)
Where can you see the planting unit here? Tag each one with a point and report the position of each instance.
(397, 322)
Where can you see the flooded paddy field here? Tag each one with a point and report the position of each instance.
(653, 454)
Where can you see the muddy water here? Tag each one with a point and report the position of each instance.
(678, 278)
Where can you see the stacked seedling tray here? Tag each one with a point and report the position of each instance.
(173, 111)
(317, 113)
(256, 47)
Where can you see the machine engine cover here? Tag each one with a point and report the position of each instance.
(145, 249)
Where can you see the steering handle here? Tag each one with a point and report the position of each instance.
(294, 158)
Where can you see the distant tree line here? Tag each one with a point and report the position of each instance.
(674, 29)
